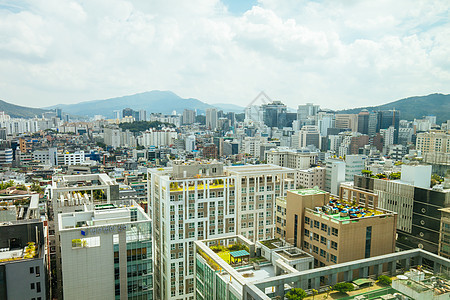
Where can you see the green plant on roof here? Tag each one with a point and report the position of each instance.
(384, 280)
(296, 294)
(343, 287)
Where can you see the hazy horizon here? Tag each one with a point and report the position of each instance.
(337, 55)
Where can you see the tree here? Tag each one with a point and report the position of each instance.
(314, 292)
(366, 172)
(343, 287)
(395, 175)
(296, 294)
(384, 280)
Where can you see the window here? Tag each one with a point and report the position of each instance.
(244, 190)
(251, 189)
(307, 220)
(324, 227)
(32, 285)
(261, 206)
(333, 258)
(334, 231)
(323, 240)
(306, 232)
(316, 224)
(243, 207)
(315, 236)
(261, 189)
(305, 245)
(323, 253)
(200, 206)
(315, 249)
(31, 270)
(334, 245)
(38, 287)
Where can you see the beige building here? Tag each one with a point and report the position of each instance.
(433, 141)
(444, 239)
(345, 121)
(339, 229)
(291, 158)
(312, 177)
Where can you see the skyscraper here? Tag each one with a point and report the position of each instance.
(388, 118)
(275, 114)
(211, 118)
(306, 110)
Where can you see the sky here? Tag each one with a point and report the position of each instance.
(339, 54)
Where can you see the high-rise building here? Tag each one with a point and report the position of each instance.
(23, 259)
(363, 121)
(196, 200)
(291, 158)
(444, 239)
(142, 115)
(305, 111)
(388, 118)
(339, 229)
(418, 207)
(347, 121)
(188, 116)
(211, 118)
(334, 175)
(308, 135)
(434, 141)
(354, 164)
(275, 114)
(106, 252)
(188, 202)
(71, 193)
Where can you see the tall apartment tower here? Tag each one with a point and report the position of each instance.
(203, 200)
(211, 118)
(189, 202)
(188, 116)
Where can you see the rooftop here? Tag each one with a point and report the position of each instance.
(307, 192)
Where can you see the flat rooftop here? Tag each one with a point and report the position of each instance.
(104, 214)
(307, 192)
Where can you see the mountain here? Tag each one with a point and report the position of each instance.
(227, 107)
(414, 107)
(153, 102)
(16, 111)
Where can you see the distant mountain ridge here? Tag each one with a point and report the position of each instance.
(17, 111)
(414, 107)
(153, 102)
(165, 102)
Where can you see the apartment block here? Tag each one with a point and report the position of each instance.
(23, 260)
(334, 175)
(106, 252)
(444, 239)
(257, 187)
(203, 200)
(188, 202)
(433, 141)
(312, 177)
(339, 229)
(290, 158)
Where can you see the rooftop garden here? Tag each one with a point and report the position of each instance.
(29, 251)
(270, 243)
(343, 210)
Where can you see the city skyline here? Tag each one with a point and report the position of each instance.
(328, 53)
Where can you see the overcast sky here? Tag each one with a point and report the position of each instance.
(338, 54)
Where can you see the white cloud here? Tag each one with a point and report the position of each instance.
(335, 53)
